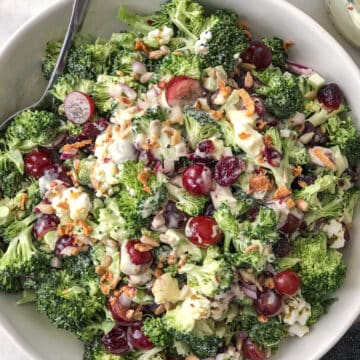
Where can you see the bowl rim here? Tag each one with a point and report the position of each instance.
(24, 346)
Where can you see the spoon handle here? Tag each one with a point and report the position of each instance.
(77, 18)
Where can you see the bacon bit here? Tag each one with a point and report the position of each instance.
(225, 91)
(248, 101)
(76, 145)
(251, 248)
(297, 171)
(157, 272)
(269, 283)
(161, 84)
(260, 125)
(249, 80)
(217, 114)
(160, 309)
(262, 319)
(141, 46)
(259, 183)
(143, 177)
(143, 247)
(244, 135)
(24, 198)
(281, 192)
(267, 140)
(323, 158)
(151, 143)
(288, 44)
(290, 203)
(302, 205)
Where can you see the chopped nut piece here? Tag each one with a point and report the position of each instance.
(290, 203)
(149, 241)
(45, 208)
(251, 248)
(248, 101)
(249, 80)
(259, 183)
(143, 247)
(269, 283)
(160, 309)
(100, 270)
(107, 261)
(302, 205)
(262, 319)
(297, 171)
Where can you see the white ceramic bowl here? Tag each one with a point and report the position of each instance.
(21, 83)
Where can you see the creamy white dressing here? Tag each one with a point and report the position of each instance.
(126, 265)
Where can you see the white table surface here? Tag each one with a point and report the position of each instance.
(13, 13)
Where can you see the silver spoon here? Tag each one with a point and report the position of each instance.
(79, 11)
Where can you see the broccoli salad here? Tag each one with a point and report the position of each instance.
(187, 195)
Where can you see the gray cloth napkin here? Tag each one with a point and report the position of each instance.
(348, 348)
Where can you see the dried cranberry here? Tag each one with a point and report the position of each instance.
(282, 247)
(174, 218)
(62, 243)
(227, 170)
(330, 96)
(116, 342)
(206, 146)
(92, 129)
(292, 223)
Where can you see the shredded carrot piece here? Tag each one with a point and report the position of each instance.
(244, 135)
(281, 192)
(87, 229)
(143, 177)
(77, 145)
(141, 46)
(248, 101)
(24, 198)
(323, 158)
(225, 91)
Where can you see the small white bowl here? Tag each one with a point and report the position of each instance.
(21, 84)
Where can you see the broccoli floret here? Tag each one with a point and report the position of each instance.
(343, 133)
(140, 124)
(141, 194)
(31, 129)
(11, 172)
(155, 329)
(350, 200)
(71, 297)
(228, 135)
(68, 83)
(227, 224)
(199, 126)
(319, 309)
(278, 52)
(139, 24)
(94, 350)
(22, 256)
(212, 277)
(254, 259)
(227, 41)
(317, 113)
(173, 65)
(190, 204)
(84, 171)
(124, 59)
(321, 270)
(282, 93)
(296, 154)
(244, 202)
(49, 59)
(267, 334)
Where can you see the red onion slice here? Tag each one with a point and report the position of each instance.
(298, 69)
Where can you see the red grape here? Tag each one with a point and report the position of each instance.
(44, 224)
(138, 257)
(197, 179)
(203, 231)
(36, 161)
(227, 170)
(257, 54)
(137, 339)
(57, 172)
(182, 90)
(287, 282)
(174, 218)
(116, 342)
(268, 303)
(330, 96)
(79, 107)
(118, 310)
(251, 350)
(92, 129)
